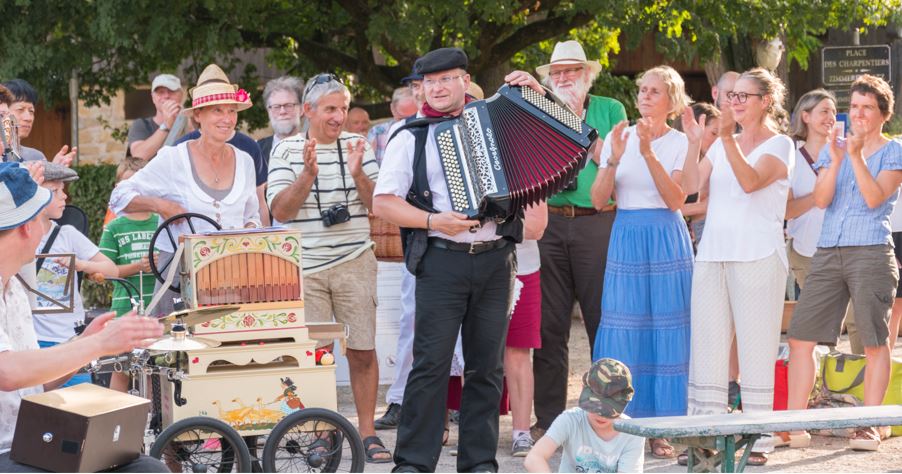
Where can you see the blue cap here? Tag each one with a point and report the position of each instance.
(20, 196)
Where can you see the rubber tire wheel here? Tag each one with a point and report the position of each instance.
(164, 226)
(358, 456)
(209, 424)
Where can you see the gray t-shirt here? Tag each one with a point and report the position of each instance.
(141, 129)
(584, 451)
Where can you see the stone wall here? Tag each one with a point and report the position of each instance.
(99, 127)
(96, 125)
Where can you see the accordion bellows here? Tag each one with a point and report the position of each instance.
(514, 149)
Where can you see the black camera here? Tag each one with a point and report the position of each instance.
(337, 214)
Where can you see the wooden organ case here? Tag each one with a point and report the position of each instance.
(266, 366)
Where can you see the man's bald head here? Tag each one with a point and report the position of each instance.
(724, 85)
(358, 121)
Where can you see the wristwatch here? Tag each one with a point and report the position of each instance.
(163, 127)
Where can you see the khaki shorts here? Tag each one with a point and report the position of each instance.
(866, 274)
(347, 291)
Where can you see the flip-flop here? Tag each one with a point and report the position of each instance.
(379, 448)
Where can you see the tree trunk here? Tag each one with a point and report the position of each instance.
(491, 78)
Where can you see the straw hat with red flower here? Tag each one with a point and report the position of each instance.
(213, 88)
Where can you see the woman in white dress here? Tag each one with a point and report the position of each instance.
(741, 266)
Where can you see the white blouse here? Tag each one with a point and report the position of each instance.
(805, 230)
(169, 176)
(633, 183)
(740, 226)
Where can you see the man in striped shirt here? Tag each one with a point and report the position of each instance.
(322, 183)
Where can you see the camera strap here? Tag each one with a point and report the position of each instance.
(344, 185)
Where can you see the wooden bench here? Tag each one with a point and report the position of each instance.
(729, 433)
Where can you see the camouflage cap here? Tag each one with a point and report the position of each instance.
(607, 388)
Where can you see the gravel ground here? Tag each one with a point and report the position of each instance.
(826, 454)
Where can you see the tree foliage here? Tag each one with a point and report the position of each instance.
(114, 44)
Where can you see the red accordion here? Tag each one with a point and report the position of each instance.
(514, 149)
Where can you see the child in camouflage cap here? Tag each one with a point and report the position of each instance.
(586, 434)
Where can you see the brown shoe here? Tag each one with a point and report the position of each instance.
(536, 432)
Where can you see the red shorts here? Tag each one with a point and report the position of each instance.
(525, 330)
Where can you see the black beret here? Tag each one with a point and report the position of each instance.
(441, 59)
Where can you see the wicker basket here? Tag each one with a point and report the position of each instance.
(388, 240)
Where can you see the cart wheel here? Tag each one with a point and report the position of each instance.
(314, 440)
(201, 444)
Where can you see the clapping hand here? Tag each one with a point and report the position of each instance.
(65, 156)
(311, 168)
(355, 157)
(693, 129)
(618, 140)
(836, 148)
(645, 134)
(727, 122)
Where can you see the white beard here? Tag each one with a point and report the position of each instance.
(575, 94)
(283, 128)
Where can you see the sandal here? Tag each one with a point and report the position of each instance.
(865, 439)
(792, 440)
(660, 448)
(377, 448)
(756, 459)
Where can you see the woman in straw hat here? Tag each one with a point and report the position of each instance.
(206, 176)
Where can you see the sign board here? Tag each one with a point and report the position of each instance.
(841, 65)
(843, 97)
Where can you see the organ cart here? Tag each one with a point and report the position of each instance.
(239, 377)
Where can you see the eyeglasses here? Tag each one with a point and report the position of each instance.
(741, 97)
(444, 81)
(322, 79)
(289, 107)
(566, 72)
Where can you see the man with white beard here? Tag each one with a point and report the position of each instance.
(574, 248)
(283, 98)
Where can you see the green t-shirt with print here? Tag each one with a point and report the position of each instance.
(603, 113)
(125, 241)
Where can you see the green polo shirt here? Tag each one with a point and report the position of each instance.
(603, 114)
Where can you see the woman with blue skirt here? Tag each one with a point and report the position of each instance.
(650, 168)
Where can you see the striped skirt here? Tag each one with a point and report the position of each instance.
(645, 308)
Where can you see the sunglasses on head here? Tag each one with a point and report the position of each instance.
(323, 78)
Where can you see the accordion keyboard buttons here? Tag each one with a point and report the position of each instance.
(456, 189)
(559, 113)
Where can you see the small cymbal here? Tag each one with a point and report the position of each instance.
(175, 343)
(193, 317)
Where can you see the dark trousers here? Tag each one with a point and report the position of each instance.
(142, 464)
(574, 251)
(471, 294)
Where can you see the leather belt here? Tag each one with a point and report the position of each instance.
(471, 248)
(574, 211)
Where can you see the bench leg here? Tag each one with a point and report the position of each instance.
(729, 453)
(746, 442)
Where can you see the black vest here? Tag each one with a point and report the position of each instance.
(415, 241)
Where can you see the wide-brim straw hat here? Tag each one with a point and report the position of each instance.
(568, 52)
(213, 88)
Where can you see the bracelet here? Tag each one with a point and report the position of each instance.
(429, 221)
(613, 163)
